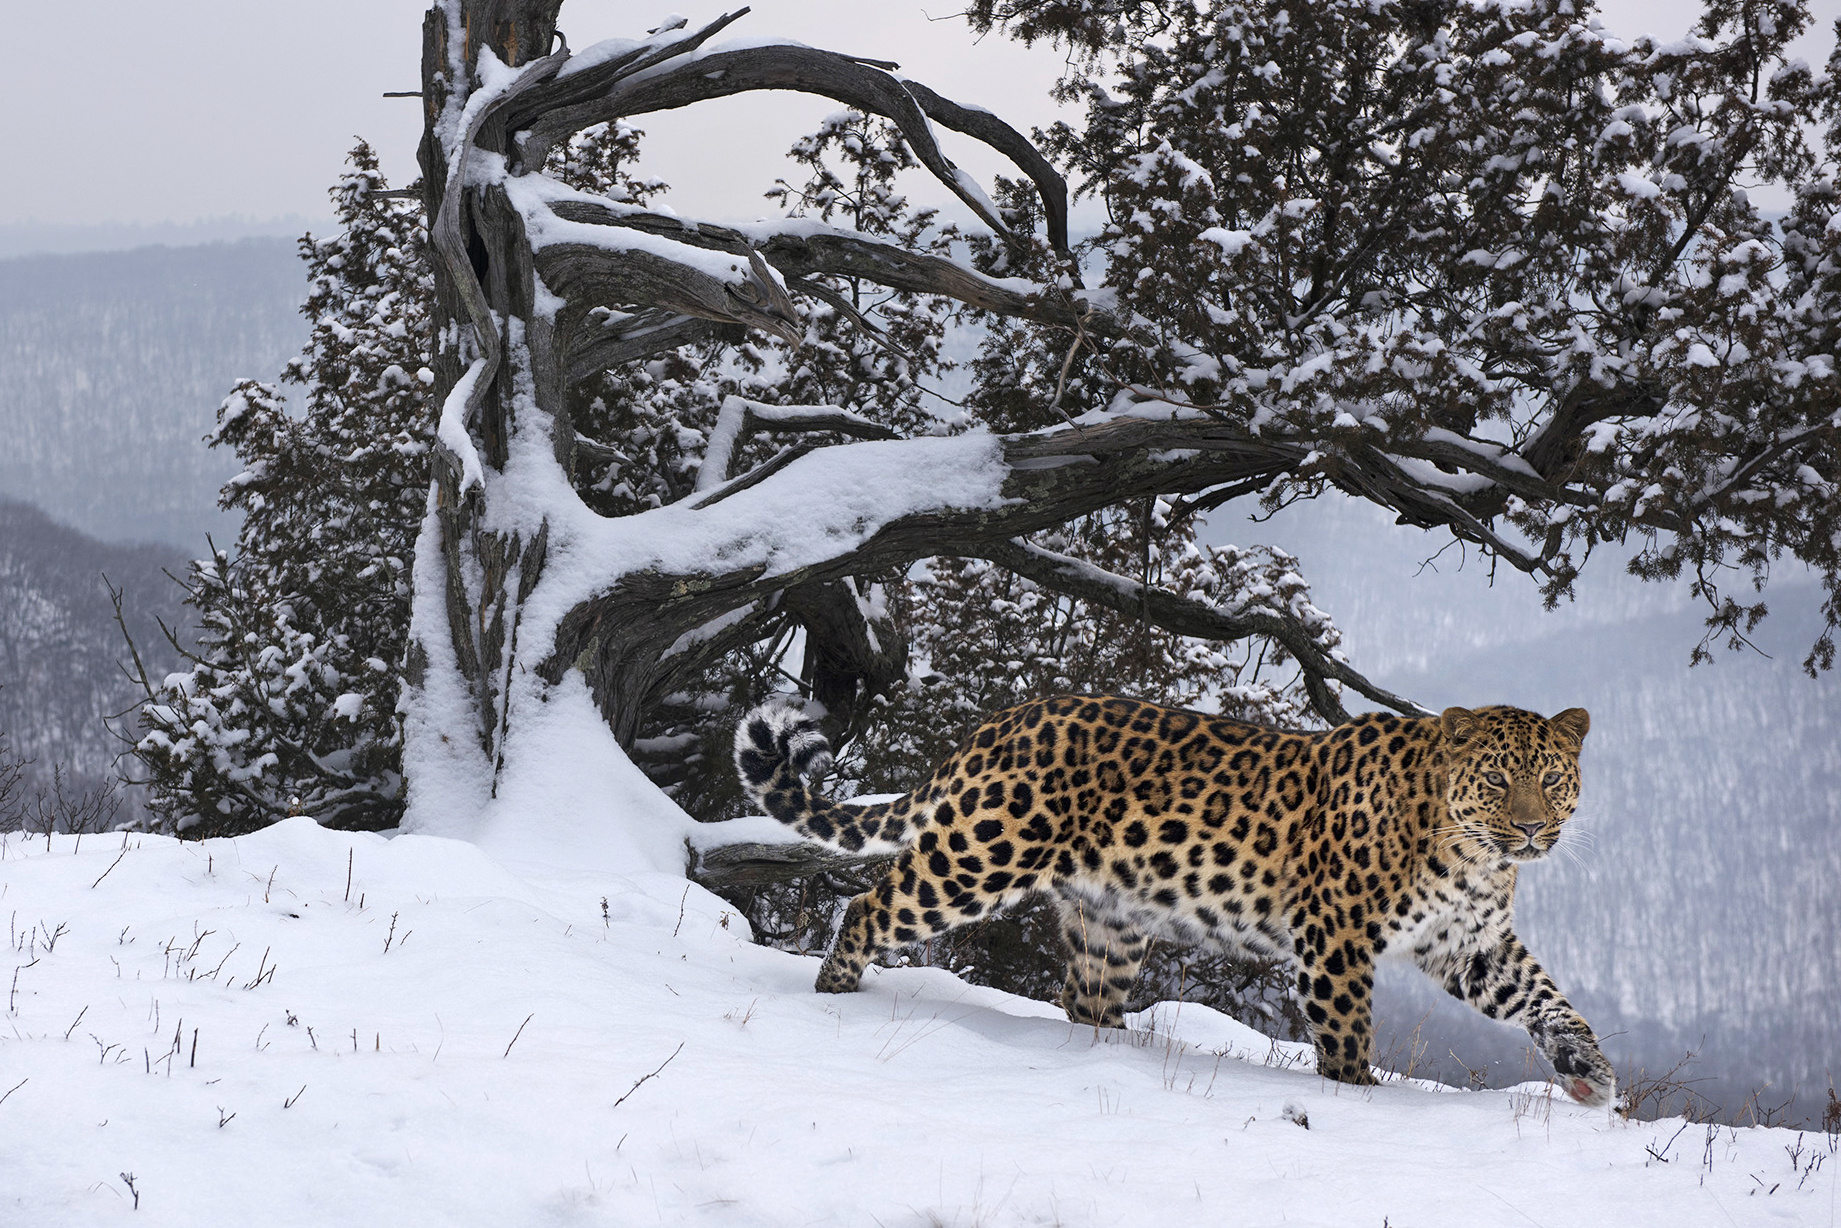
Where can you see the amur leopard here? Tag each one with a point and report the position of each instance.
(1385, 835)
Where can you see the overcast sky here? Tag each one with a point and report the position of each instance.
(125, 111)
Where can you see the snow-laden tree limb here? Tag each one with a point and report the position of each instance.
(974, 498)
(794, 249)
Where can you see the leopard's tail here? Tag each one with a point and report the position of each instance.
(777, 748)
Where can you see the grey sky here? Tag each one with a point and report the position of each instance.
(173, 112)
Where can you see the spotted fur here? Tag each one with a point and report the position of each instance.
(1386, 835)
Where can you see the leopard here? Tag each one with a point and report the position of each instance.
(1387, 835)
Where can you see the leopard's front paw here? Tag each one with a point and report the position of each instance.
(1583, 1070)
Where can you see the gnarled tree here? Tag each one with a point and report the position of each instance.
(1483, 266)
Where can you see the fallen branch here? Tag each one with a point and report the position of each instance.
(754, 865)
(642, 1078)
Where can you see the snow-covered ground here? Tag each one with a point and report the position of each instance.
(309, 1027)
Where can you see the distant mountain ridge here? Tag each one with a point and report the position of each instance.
(38, 238)
(112, 365)
(59, 645)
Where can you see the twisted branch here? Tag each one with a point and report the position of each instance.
(1196, 619)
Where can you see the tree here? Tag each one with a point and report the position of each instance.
(289, 702)
(1499, 269)
(551, 287)
(1486, 267)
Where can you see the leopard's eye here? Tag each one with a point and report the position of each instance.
(1497, 779)
(1550, 779)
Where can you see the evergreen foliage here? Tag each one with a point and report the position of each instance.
(1493, 238)
(287, 705)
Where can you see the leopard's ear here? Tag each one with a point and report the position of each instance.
(1460, 724)
(1572, 724)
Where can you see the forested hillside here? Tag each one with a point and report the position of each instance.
(112, 365)
(59, 645)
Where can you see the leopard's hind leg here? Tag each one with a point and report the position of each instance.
(1103, 959)
(922, 896)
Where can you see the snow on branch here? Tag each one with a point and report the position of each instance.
(594, 266)
(740, 417)
(452, 428)
(801, 248)
(856, 509)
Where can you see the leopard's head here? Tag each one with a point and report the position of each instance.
(1514, 778)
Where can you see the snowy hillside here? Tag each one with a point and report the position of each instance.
(309, 1027)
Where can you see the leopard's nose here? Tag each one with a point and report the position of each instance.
(1530, 830)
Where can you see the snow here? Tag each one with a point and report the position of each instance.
(1493, 453)
(304, 1026)
(1431, 475)
(452, 429)
(720, 452)
(1637, 185)
(447, 774)
(975, 196)
(1231, 242)
(531, 195)
(567, 794)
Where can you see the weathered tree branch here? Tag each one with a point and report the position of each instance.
(601, 342)
(589, 276)
(810, 250)
(1182, 616)
(571, 105)
(752, 865)
(619, 636)
(739, 418)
